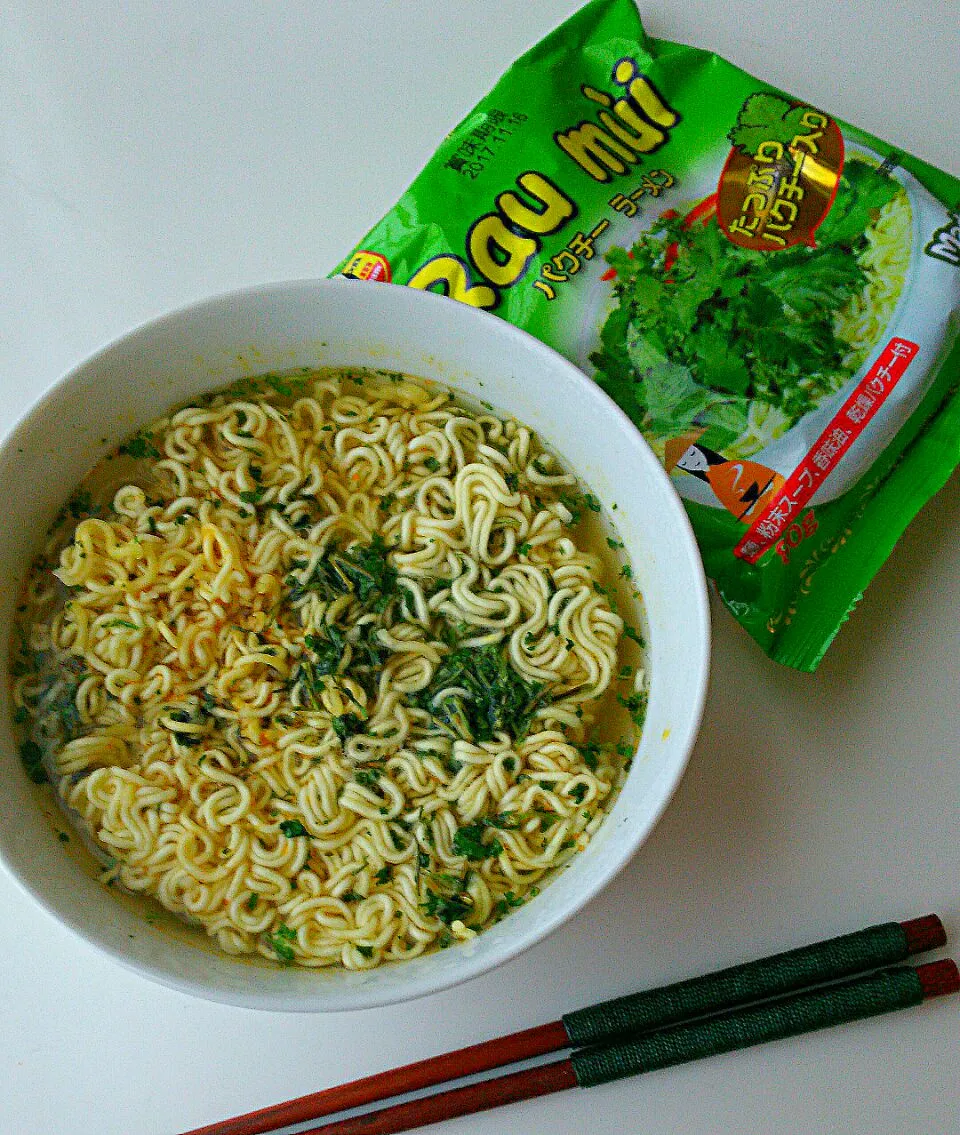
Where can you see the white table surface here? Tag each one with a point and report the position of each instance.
(153, 153)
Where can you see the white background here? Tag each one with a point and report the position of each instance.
(153, 153)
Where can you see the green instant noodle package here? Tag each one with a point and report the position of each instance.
(770, 294)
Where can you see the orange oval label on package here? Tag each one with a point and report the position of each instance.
(782, 174)
(366, 265)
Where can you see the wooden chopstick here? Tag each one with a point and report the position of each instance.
(868, 996)
(840, 957)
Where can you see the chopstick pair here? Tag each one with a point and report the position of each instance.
(783, 995)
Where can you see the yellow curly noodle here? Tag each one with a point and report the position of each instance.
(258, 675)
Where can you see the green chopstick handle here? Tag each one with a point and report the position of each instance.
(802, 1012)
(836, 958)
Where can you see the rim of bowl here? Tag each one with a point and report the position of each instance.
(329, 999)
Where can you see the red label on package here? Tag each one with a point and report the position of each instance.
(822, 458)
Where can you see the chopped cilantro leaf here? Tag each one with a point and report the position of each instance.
(506, 821)
(79, 505)
(282, 386)
(497, 698)
(32, 756)
(291, 828)
(328, 651)
(346, 725)
(448, 908)
(468, 841)
(591, 754)
(636, 705)
(280, 942)
(505, 903)
(572, 505)
(140, 446)
(363, 569)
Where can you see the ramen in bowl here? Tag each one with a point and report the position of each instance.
(330, 664)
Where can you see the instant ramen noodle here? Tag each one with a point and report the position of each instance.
(332, 666)
(770, 293)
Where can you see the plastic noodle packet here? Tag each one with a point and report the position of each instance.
(769, 293)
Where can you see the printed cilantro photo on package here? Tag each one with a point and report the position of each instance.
(770, 294)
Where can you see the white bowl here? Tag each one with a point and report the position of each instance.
(208, 344)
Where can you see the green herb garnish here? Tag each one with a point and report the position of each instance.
(327, 651)
(448, 908)
(497, 699)
(346, 725)
(280, 942)
(363, 570)
(505, 821)
(32, 756)
(573, 505)
(591, 754)
(80, 505)
(291, 828)
(468, 841)
(140, 446)
(636, 705)
(506, 903)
